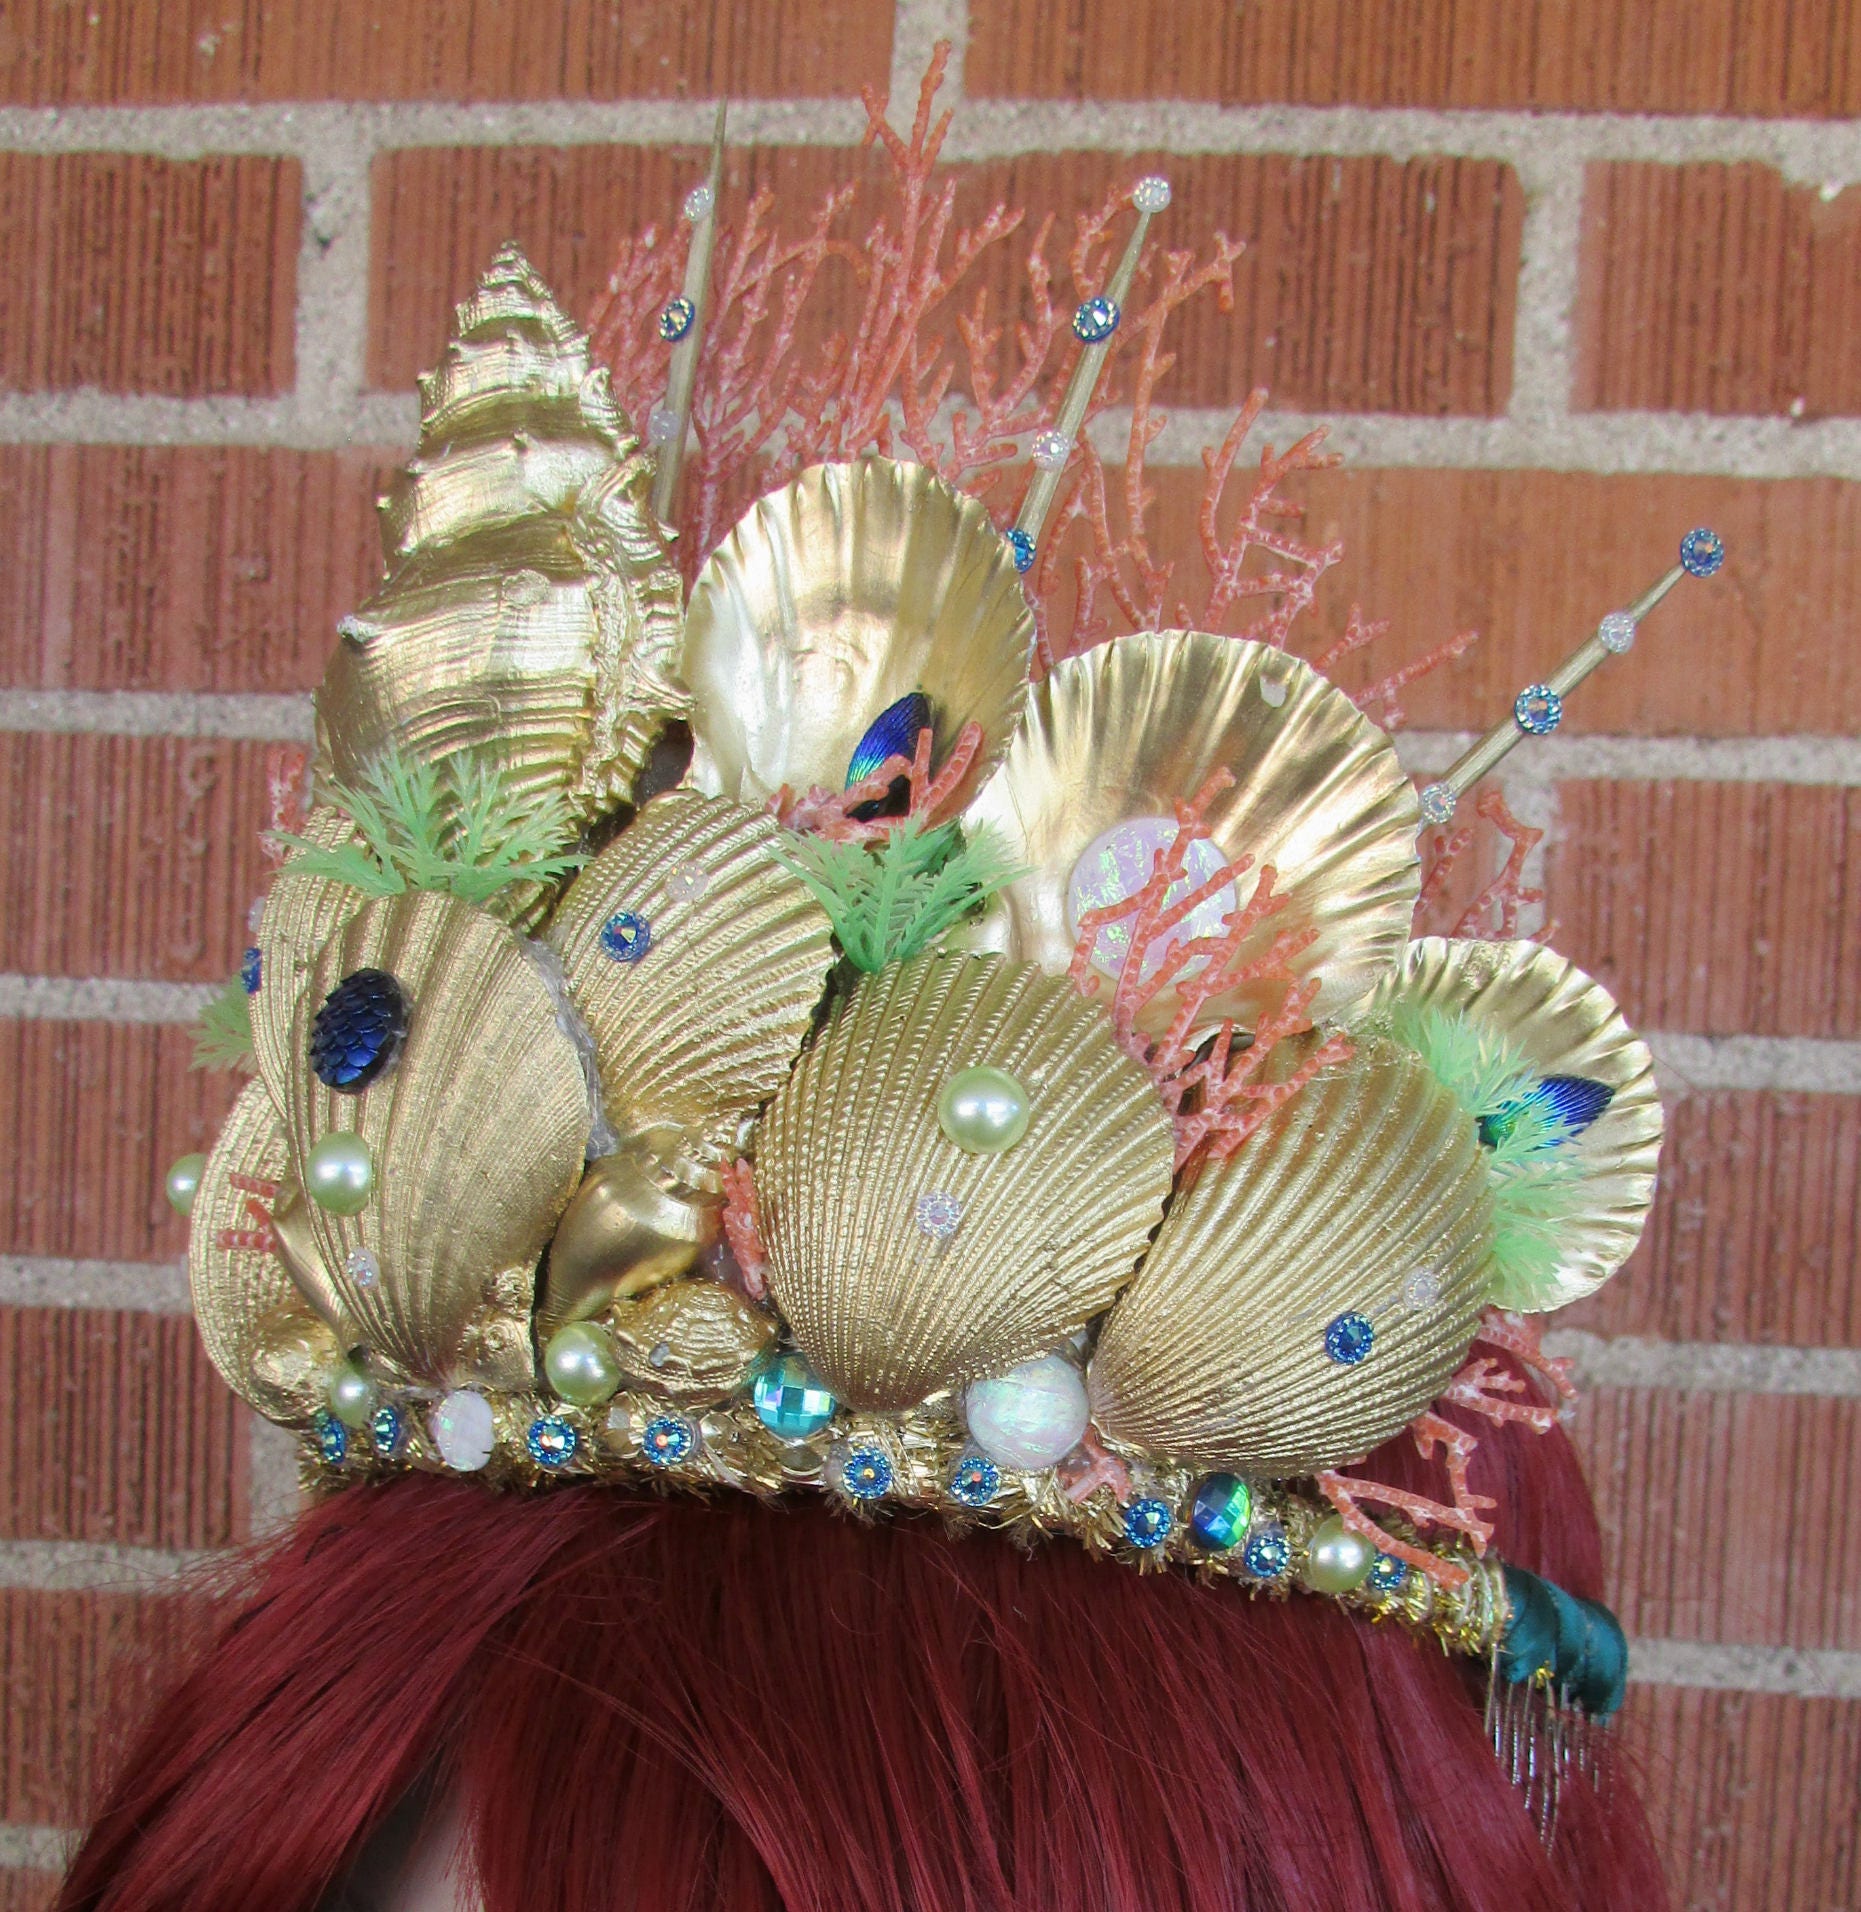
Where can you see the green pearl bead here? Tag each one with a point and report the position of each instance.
(983, 1110)
(580, 1364)
(184, 1183)
(1336, 1560)
(351, 1394)
(339, 1174)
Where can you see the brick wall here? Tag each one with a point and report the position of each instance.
(1567, 278)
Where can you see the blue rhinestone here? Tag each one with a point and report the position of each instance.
(675, 320)
(626, 936)
(790, 1399)
(1702, 552)
(1386, 1574)
(1097, 320)
(389, 1431)
(1218, 1516)
(1537, 710)
(667, 1438)
(1147, 1522)
(359, 1030)
(976, 1482)
(1268, 1553)
(1349, 1339)
(552, 1441)
(249, 971)
(1023, 548)
(867, 1474)
(332, 1438)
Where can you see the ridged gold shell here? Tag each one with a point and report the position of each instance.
(1129, 727)
(476, 1133)
(531, 609)
(696, 1341)
(1366, 1179)
(1051, 1228)
(250, 1314)
(1564, 1023)
(830, 600)
(701, 1030)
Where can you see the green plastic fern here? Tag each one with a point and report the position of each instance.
(893, 899)
(223, 1035)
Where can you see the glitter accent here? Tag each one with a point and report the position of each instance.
(364, 1269)
(976, 1480)
(552, 1441)
(1386, 1574)
(332, 1437)
(1051, 450)
(940, 1214)
(1438, 801)
(1151, 193)
(359, 1030)
(1023, 548)
(1702, 552)
(626, 936)
(667, 1439)
(661, 425)
(675, 320)
(1273, 691)
(866, 1474)
(1147, 1523)
(699, 201)
(251, 966)
(688, 883)
(1268, 1552)
(1096, 320)
(1616, 632)
(1114, 866)
(1537, 710)
(389, 1431)
(1421, 1289)
(1349, 1339)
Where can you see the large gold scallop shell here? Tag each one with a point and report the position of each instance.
(531, 609)
(1562, 1022)
(1122, 731)
(833, 598)
(477, 1137)
(1363, 1195)
(1049, 1230)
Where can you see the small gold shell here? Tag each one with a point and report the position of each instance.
(531, 609)
(1363, 1195)
(830, 600)
(476, 1136)
(1049, 1230)
(695, 1341)
(1563, 1023)
(1126, 729)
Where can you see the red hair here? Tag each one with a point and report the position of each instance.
(663, 1703)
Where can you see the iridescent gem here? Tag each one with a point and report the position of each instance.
(552, 1441)
(332, 1437)
(182, 1183)
(389, 1431)
(939, 1213)
(1349, 1339)
(1702, 552)
(1031, 1417)
(975, 1481)
(359, 1030)
(464, 1430)
(675, 320)
(984, 1111)
(688, 883)
(699, 201)
(250, 967)
(1537, 710)
(866, 1474)
(790, 1399)
(1051, 450)
(1147, 1522)
(626, 936)
(1220, 1513)
(1268, 1552)
(1114, 866)
(661, 425)
(1096, 320)
(1022, 547)
(1616, 632)
(1337, 1560)
(667, 1439)
(1438, 801)
(1151, 193)
(364, 1269)
(339, 1173)
(1387, 1573)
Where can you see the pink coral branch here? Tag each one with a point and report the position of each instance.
(1349, 1496)
(1522, 1337)
(829, 813)
(262, 1237)
(1495, 911)
(743, 1228)
(1381, 701)
(1090, 1466)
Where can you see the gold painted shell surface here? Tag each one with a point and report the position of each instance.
(1128, 728)
(531, 608)
(1363, 1194)
(1050, 1229)
(695, 1341)
(831, 599)
(1564, 1023)
(477, 1135)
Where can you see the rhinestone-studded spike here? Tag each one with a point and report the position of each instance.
(1151, 193)
(1021, 547)
(1051, 450)
(675, 320)
(1702, 552)
(1437, 802)
(1538, 710)
(1096, 320)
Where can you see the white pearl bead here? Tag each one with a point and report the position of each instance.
(463, 1430)
(1031, 1417)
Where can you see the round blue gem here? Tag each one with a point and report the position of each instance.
(1702, 552)
(675, 320)
(1268, 1553)
(1537, 710)
(1387, 1573)
(1022, 545)
(1097, 319)
(1147, 1522)
(1219, 1514)
(249, 971)
(867, 1474)
(790, 1398)
(359, 1030)
(389, 1431)
(626, 936)
(667, 1438)
(976, 1480)
(332, 1438)
(552, 1441)
(1349, 1339)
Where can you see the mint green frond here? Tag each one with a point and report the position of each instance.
(893, 899)
(223, 1035)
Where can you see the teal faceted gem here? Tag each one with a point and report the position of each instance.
(790, 1399)
(1221, 1512)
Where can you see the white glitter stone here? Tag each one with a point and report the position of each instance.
(688, 883)
(1617, 632)
(698, 202)
(1051, 450)
(1421, 1289)
(940, 1214)
(1438, 801)
(364, 1269)
(255, 916)
(662, 425)
(464, 1430)
(1151, 193)
(1031, 1417)
(1118, 864)
(1273, 691)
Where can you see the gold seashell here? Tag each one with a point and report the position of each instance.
(699, 1032)
(695, 1341)
(270, 1345)
(1364, 1194)
(476, 1136)
(831, 599)
(1049, 1229)
(1122, 731)
(531, 609)
(1564, 1023)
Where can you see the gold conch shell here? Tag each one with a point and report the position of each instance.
(1563, 1023)
(531, 609)
(1050, 1229)
(695, 1341)
(476, 1135)
(1364, 1194)
(833, 598)
(1124, 730)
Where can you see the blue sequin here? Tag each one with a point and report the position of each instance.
(1147, 1522)
(389, 1431)
(667, 1438)
(1022, 545)
(675, 320)
(359, 1030)
(1387, 1574)
(893, 733)
(976, 1481)
(552, 1441)
(1571, 1102)
(1349, 1339)
(249, 970)
(1537, 710)
(1702, 552)
(866, 1474)
(626, 936)
(1268, 1553)
(1097, 319)
(332, 1438)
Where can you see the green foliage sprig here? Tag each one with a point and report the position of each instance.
(223, 1035)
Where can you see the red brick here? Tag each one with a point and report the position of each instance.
(221, 568)
(128, 856)
(135, 274)
(1756, 1232)
(1710, 288)
(1731, 1518)
(117, 1430)
(1369, 284)
(1709, 56)
(155, 50)
(93, 1113)
(27, 1891)
(1720, 908)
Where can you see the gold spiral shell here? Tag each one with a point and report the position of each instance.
(1050, 1229)
(695, 1341)
(1363, 1194)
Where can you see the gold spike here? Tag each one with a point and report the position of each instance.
(684, 370)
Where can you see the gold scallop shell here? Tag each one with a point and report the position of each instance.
(477, 1135)
(1124, 730)
(1364, 1194)
(1563, 1023)
(831, 599)
(531, 609)
(1050, 1229)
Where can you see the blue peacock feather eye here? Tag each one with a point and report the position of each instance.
(893, 733)
(1572, 1102)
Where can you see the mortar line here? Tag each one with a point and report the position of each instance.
(131, 1287)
